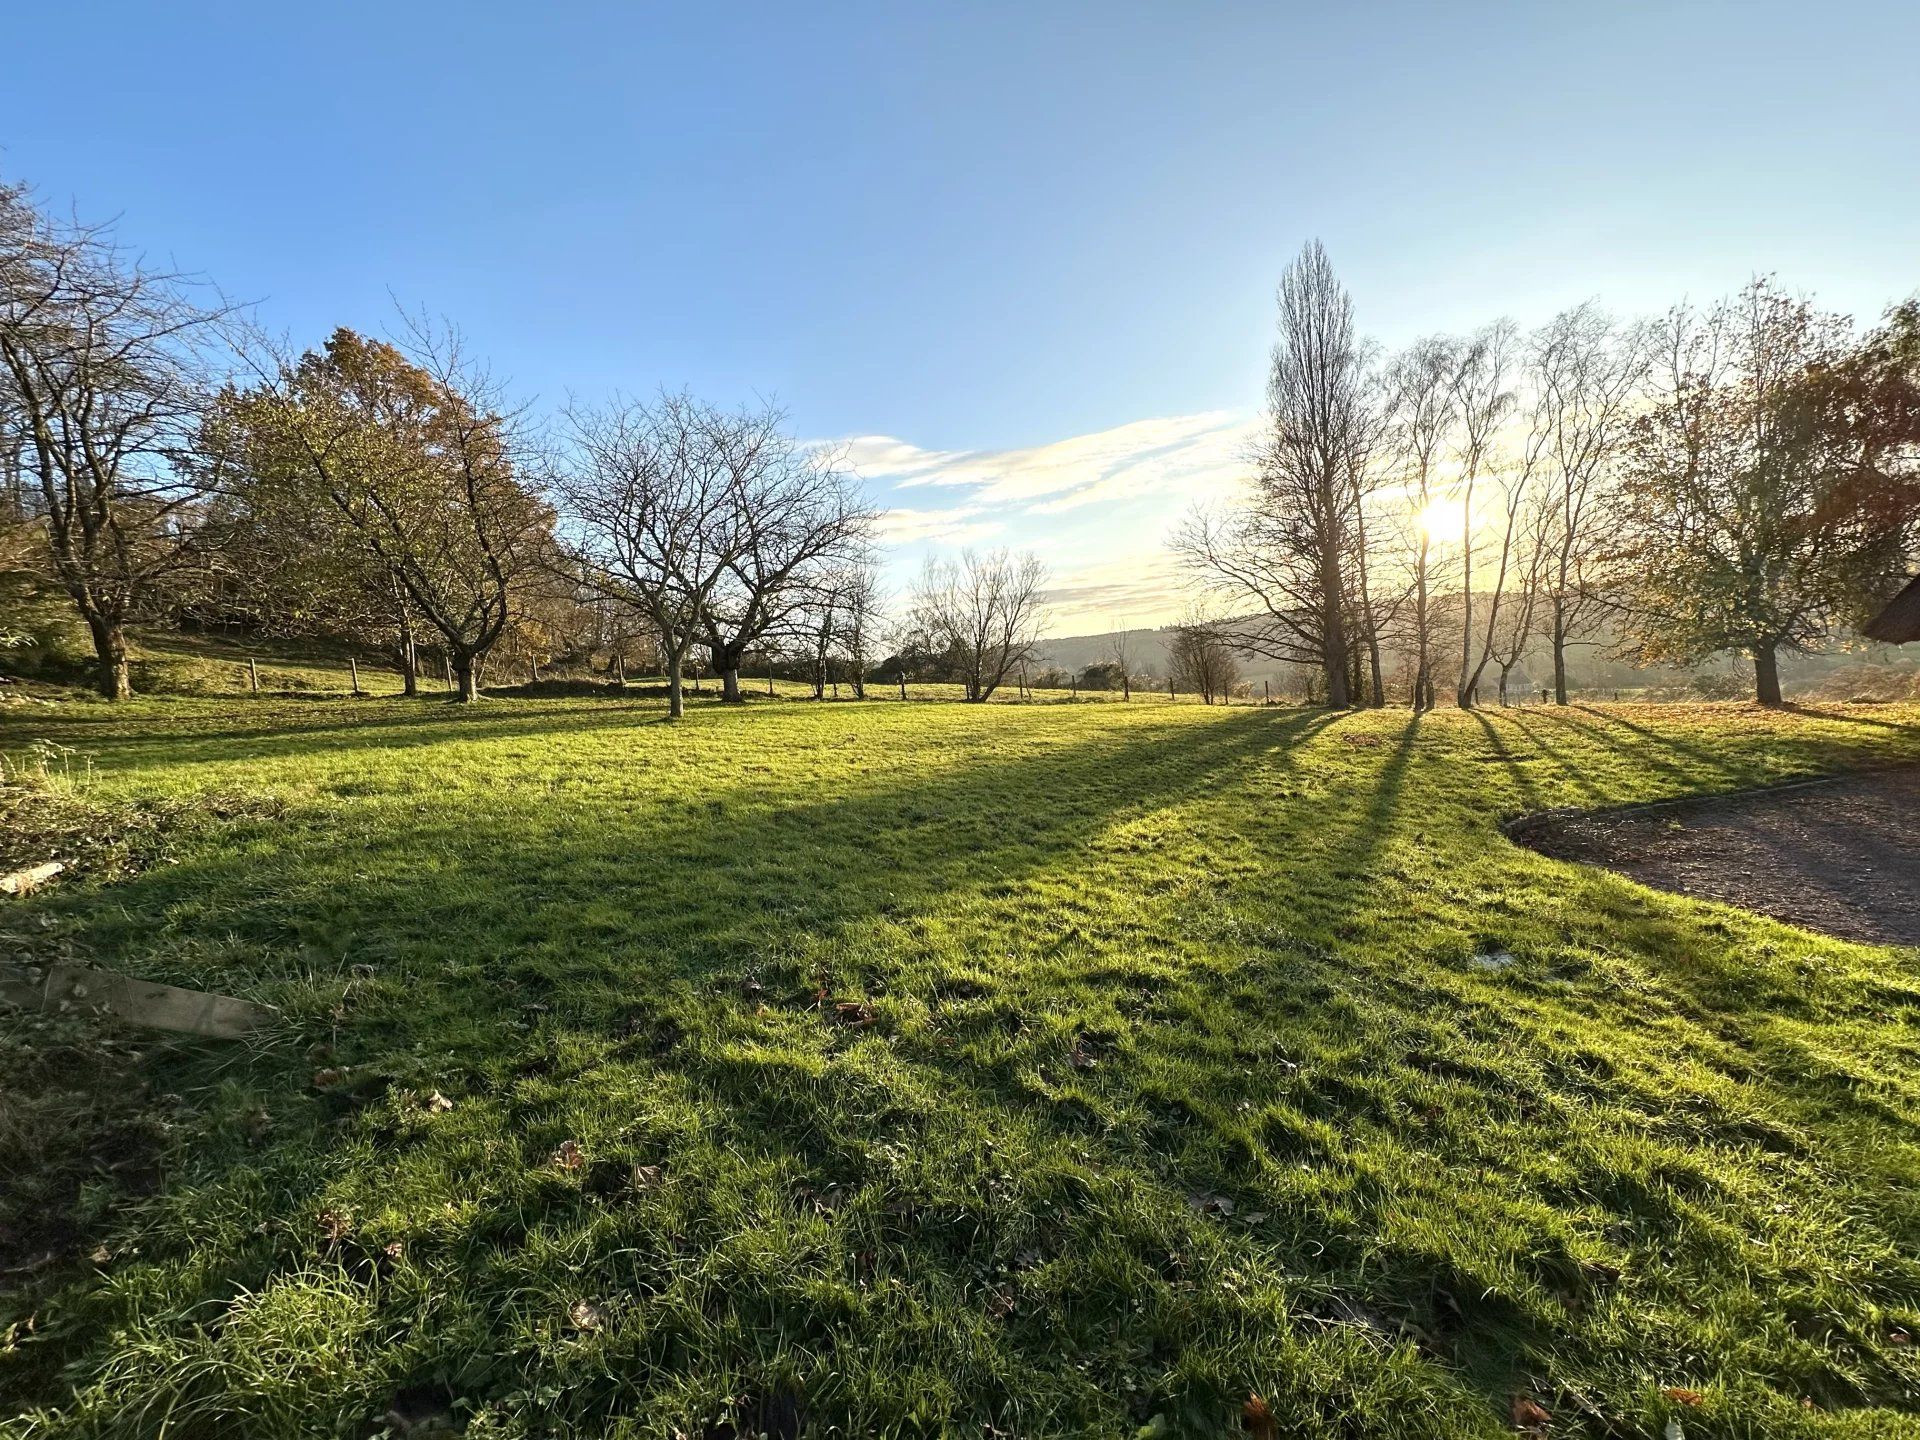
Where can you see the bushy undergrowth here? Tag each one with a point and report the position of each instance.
(922, 1069)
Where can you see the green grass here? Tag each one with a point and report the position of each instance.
(920, 1069)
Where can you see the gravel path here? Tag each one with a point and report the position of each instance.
(1843, 858)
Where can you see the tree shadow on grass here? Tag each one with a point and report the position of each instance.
(1848, 717)
(996, 1068)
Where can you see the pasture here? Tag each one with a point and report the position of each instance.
(917, 1069)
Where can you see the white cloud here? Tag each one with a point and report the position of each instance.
(1178, 452)
(960, 525)
(1096, 508)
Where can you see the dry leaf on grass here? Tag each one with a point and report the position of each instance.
(1530, 1417)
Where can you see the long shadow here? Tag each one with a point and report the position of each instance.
(1568, 766)
(1849, 717)
(493, 942)
(1522, 781)
(1644, 755)
(1700, 755)
(550, 967)
(383, 724)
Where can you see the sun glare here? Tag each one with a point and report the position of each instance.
(1443, 519)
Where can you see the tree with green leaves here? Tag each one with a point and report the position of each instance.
(1760, 502)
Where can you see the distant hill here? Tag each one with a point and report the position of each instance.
(1591, 666)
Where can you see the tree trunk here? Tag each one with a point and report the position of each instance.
(1333, 631)
(1559, 651)
(466, 674)
(110, 649)
(1506, 671)
(1766, 674)
(1423, 640)
(727, 660)
(409, 657)
(676, 700)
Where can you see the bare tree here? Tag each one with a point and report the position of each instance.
(1201, 658)
(1291, 548)
(985, 611)
(1516, 475)
(105, 367)
(1482, 400)
(649, 494)
(1120, 653)
(1517, 625)
(1588, 371)
(860, 605)
(793, 519)
(1421, 415)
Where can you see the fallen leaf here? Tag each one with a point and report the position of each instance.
(1256, 1418)
(1205, 1203)
(646, 1177)
(569, 1157)
(586, 1315)
(1682, 1396)
(438, 1104)
(1529, 1415)
(335, 1225)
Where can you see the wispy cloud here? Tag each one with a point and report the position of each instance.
(960, 525)
(1143, 457)
(1134, 590)
(1096, 508)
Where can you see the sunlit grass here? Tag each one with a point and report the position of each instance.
(918, 1068)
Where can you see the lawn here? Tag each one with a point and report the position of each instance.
(919, 1069)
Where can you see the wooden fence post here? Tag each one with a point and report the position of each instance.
(1170, 687)
(446, 666)
(903, 684)
(253, 674)
(533, 664)
(1025, 694)
(1266, 687)
(353, 668)
(769, 678)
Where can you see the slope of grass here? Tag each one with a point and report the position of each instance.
(1019, 1070)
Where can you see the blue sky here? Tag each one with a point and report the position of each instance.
(1023, 255)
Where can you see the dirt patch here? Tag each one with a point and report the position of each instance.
(1841, 856)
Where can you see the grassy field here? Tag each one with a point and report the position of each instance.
(929, 1069)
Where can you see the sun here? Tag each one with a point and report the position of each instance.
(1443, 519)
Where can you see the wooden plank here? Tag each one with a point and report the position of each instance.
(138, 1002)
(25, 882)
